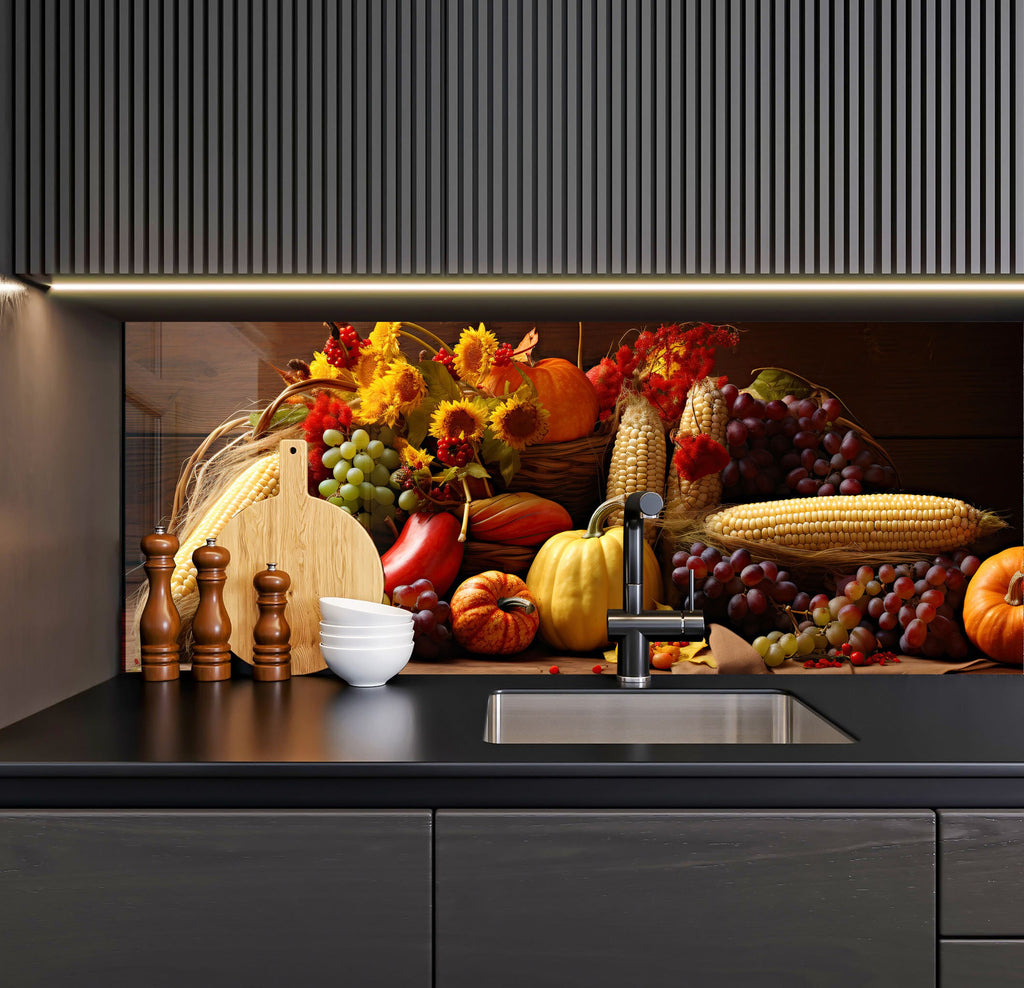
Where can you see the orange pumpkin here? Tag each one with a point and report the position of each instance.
(494, 613)
(564, 390)
(518, 518)
(993, 611)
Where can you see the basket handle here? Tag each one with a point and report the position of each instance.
(313, 383)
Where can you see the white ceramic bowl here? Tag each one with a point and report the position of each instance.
(362, 666)
(365, 630)
(344, 610)
(381, 640)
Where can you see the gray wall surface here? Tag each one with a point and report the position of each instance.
(6, 138)
(61, 402)
(508, 136)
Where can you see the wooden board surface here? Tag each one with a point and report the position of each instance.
(324, 550)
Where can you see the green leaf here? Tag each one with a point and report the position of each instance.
(448, 476)
(477, 470)
(418, 421)
(441, 385)
(509, 463)
(285, 415)
(491, 447)
(772, 385)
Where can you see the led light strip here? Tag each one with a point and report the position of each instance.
(553, 285)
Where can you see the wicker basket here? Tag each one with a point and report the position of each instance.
(572, 473)
(481, 556)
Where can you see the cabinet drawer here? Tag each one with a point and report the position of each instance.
(980, 963)
(166, 899)
(981, 873)
(611, 898)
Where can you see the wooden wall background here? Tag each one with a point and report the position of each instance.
(944, 399)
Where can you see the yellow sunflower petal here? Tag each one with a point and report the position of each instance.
(415, 458)
(320, 367)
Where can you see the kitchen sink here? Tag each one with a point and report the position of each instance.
(655, 717)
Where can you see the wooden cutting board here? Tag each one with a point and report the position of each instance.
(325, 551)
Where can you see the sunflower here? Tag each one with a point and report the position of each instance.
(473, 353)
(520, 421)
(400, 390)
(321, 367)
(464, 419)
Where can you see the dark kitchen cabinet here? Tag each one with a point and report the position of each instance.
(981, 868)
(981, 864)
(702, 898)
(382, 137)
(980, 963)
(245, 897)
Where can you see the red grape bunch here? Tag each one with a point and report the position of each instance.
(737, 591)
(430, 617)
(795, 447)
(915, 608)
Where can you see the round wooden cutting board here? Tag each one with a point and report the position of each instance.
(325, 551)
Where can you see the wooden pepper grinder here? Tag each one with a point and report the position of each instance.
(211, 626)
(160, 623)
(271, 651)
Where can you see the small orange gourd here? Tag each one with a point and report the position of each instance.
(994, 607)
(494, 613)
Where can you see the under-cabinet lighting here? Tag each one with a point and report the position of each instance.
(11, 287)
(550, 285)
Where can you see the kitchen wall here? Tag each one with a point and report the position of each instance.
(61, 398)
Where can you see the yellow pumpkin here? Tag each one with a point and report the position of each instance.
(993, 607)
(576, 578)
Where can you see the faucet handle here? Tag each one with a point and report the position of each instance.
(647, 504)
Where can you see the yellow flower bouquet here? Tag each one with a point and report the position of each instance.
(386, 434)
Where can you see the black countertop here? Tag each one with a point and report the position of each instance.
(935, 741)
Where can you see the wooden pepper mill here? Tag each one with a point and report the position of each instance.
(211, 626)
(160, 623)
(271, 651)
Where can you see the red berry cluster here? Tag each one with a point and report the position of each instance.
(856, 657)
(454, 452)
(444, 357)
(327, 413)
(343, 346)
(503, 355)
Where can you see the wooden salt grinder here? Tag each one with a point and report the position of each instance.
(271, 651)
(160, 623)
(211, 626)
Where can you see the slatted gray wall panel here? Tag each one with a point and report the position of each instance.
(551, 136)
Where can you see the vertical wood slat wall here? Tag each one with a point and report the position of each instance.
(518, 136)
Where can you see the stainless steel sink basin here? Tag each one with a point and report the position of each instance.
(655, 717)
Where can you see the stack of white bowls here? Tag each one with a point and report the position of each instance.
(362, 642)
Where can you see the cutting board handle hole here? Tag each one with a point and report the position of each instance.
(293, 450)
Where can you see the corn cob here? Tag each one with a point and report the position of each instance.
(864, 522)
(706, 413)
(253, 484)
(638, 455)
